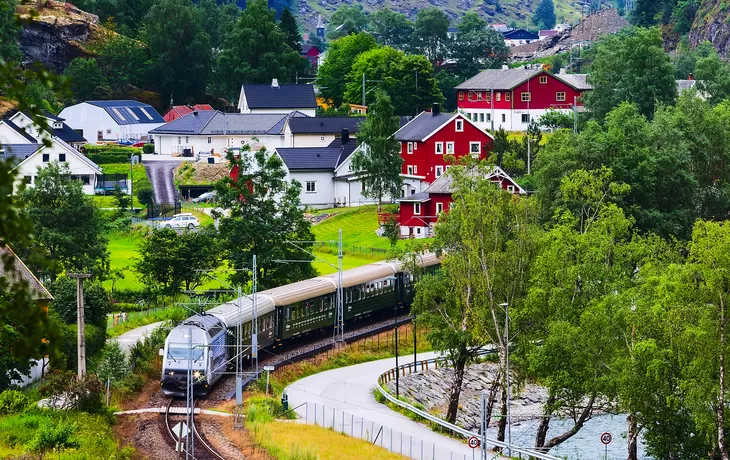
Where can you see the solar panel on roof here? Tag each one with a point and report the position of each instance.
(145, 112)
(118, 113)
(132, 113)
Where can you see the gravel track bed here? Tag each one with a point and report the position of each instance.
(211, 431)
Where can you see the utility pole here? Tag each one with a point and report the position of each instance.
(340, 326)
(254, 320)
(509, 389)
(131, 196)
(81, 338)
(491, 117)
(575, 114)
(363, 89)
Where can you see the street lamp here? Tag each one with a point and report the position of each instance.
(509, 395)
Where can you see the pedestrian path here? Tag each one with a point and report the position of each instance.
(130, 338)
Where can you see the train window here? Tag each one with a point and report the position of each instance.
(184, 353)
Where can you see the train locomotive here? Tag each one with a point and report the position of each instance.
(283, 313)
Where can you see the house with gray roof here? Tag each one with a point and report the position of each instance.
(277, 98)
(112, 120)
(318, 131)
(214, 132)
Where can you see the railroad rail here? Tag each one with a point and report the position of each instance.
(206, 453)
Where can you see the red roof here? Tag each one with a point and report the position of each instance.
(178, 111)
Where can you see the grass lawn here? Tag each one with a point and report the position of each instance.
(139, 178)
(518, 135)
(358, 227)
(123, 254)
(109, 201)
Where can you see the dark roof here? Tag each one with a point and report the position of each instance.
(47, 114)
(21, 131)
(317, 125)
(67, 134)
(128, 112)
(520, 34)
(218, 123)
(317, 158)
(421, 126)
(416, 197)
(280, 97)
(19, 151)
(507, 79)
(18, 271)
(306, 48)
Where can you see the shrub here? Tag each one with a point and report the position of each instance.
(12, 401)
(106, 154)
(53, 437)
(84, 395)
(131, 384)
(148, 148)
(145, 194)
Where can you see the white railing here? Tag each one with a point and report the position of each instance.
(436, 362)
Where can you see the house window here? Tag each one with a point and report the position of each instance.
(489, 117)
(418, 230)
(321, 138)
(85, 180)
(439, 171)
(311, 186)
(504, 118)
(511, 188)
(543, 80)
(416, 208)
(179, 140)
(499, 97)
(108, 131)
(410, 147)
(507, 97)
(61, 157)
(526, 96)
(459, 126)
(100, 135)
(481, 118)
(439, 208)
(449, 148)
(46, 158)
(461, 95)
(210, 140)
(470, 97)
(410, 170)
(525, 118)
(439, 148)
(187, 141)
(415, 169)
(27, 180)
(560, 96)
(480, 97)
(475, 148)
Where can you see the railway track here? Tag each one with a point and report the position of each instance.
(202, 450)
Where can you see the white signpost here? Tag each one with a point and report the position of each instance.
(181, 431)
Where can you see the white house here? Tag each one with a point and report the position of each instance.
(318, 131)
(112, 120)
(276, 98)
(214, 131)
(55, 128)
(30, 153)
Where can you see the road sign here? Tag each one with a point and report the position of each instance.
(269, 368)
(473, 442)
(180, 430)
(606, 438)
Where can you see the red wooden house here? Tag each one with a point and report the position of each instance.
(179, 111)
(520, 96)
(428, 140)
(420, 212)
(311, 53)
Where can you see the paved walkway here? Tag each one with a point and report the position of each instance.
(129, 338)
(350, 389)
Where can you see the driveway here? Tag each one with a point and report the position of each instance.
(161, 175)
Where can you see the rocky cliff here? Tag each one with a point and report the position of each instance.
(57, 34)
(712, 23)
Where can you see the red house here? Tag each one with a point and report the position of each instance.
(428, 140)
(420, 212)
(178, 111)
(520, 96)
(311, 53)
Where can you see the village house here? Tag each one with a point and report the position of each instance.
(177, 111)
(213, 132)
(520, 96)
(318, 131)
(276, 98)
(420, 212)
(55, 128)
(430, 141)
(312, 54)
(516, 37)
(29, 153)
(112, 120)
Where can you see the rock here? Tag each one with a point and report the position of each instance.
(712, 23)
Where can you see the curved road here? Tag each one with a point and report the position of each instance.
(350, 389)
(161, 176)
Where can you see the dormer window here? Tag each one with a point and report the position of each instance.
(57, 125)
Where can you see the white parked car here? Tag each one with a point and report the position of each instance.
(184, 220)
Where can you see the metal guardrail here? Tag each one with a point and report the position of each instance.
(424, 364)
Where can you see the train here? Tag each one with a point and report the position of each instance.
(283, 313)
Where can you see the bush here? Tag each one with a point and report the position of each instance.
(148, 148)
(131, 384)
(106, 154)
(145, 194)
(83, 395)
(95, 340)
(53, 437)
(12, 401)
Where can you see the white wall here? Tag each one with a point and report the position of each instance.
(323, 197)
(512, 118)
(10, 136)
(307, 112)
(78, 167)
(168, 144)
(309, 140)
(416, 232)
(92, 119)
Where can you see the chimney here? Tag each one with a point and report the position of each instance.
(274, 82)
(690, 77)
(345, 136)
(563, 71)
(436, 109)
(195, 113)
(505, 67)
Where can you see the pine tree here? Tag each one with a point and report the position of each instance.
(288, 25)
(544, 16)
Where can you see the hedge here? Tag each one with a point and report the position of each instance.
(106, 154)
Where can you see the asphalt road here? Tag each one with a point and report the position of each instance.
(161, 176)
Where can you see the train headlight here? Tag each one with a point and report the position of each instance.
(172, 372)
(196, 374)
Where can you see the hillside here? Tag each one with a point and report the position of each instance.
(494, 11)
(712, 22)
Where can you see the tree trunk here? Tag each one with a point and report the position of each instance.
(502, 425)
(492, 398)
(585, 415)
(459, 367)
(633, 436)
(542, 429)
(721, 402)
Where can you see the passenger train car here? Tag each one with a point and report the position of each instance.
(283, 313)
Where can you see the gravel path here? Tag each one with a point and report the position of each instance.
(161, 176)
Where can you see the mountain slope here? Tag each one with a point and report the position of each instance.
(494, 11)
(712, 22)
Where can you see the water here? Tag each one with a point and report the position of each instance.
(584, 445)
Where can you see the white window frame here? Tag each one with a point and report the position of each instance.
(499, 97)
(439, 148)
(470, 96)
(526, 96)
(504, 118)
(479, 148)
(480, 97)
(481, 118)
(409, 170)
(439, 208)
(543, 79)
(529, 118)
(459, 126)
(416, 209)
(439, 171)
(409, 147)
(511, 188)
(488, 117)
(449, 148)
(321, 138)
(558, 97)
(313, 188)
(507, 97)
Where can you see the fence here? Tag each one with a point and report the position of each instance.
(112, 319)
(350, 248)
(158, 210)
(376, 433)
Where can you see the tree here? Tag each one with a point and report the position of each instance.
(86, 81)
(9, 30)
(348, 20)
(407, 79)
(648, 13)
(265, 215)
(645, 77)
(68, 225)
(556, 119)
(477, 47)
(340, 58)
(180, 49)
(544, 16)
(123, 200)
(256, 51)
(379, 161)
(96, 301)
(391, 28)
(288, 25)
(124, 62)
(430, 33)
(112, 364)
(178, 261)
(713, 78)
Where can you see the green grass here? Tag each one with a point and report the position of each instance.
(139, 178)
(123, 254)
(139, 319)
(358, 227)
